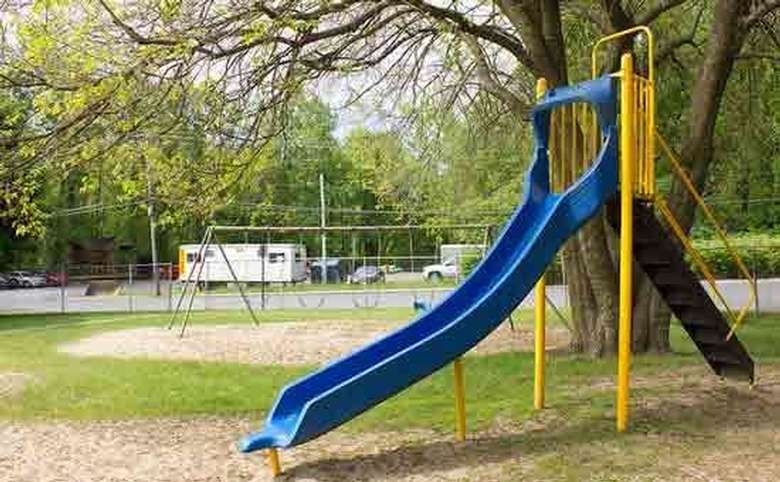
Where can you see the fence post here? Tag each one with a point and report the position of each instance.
(170, 287)
(130, 287)
(262, 283)
(63, 291)
(755, 281)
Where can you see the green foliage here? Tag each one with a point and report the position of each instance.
(468, 263)
(127, 129)
(759, 253)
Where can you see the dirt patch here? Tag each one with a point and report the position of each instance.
(294, 343)
(12, 383)
(204, 449)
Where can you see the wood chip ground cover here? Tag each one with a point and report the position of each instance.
(12, 383)
(289, 343)
(692, 430)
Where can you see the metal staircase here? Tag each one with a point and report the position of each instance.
(660, 255)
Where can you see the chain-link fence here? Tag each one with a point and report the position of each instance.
(88, 288)
(348, 282)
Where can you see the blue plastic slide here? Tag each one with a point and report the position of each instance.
(343, 389)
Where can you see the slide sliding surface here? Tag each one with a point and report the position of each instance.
(343, 389)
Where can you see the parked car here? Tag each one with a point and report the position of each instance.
(336, 271)
(53, 279)
(366, 274)
(4, 282)
(26, 279)
(436, 272)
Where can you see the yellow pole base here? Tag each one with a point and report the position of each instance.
(273, 462)
(539, 344)
(460, 400)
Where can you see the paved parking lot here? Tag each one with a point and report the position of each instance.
(73, 298)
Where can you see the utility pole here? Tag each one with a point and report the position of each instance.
(323, 239)
(152, 226)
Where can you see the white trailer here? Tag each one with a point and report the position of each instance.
(252, 263)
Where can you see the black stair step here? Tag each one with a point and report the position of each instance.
(645, 240)
(682, 297)
(668, 278)
(722, 357)
(651, 258)
(695, 317)
(663, 269)
(710, 337)
(734, 372)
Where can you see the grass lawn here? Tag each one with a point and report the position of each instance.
(575, 439)
(499, 386)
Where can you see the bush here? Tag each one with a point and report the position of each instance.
(468, 263)
(759, 252)
(554, 270)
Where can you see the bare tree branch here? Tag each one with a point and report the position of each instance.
(491, 84)
(488, 32)
(759, 10)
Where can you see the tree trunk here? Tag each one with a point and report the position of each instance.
(590, 258)
(726, 39)
(725, 42)
(651, 315)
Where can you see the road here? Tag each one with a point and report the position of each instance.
(73, 300)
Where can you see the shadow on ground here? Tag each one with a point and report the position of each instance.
(683, 413)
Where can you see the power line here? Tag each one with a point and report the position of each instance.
(287, 207)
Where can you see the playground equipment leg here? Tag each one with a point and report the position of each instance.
(539, 343)
(460, 400)
(273, 462)
(540, 307)
(627, 158)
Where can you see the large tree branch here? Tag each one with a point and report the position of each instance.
(490, 33)
(667, 49)
(663, 6)
(528, 17)
(489, 81)
(131, 32)
(594, 16)
(726, 38)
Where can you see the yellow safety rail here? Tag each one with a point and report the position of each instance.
(574, 143)
(644, 170)
(674, 161)
(644, 112)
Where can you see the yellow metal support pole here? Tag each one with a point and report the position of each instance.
(540, 306)
(539, 343)
(460, 400)
(627, 161)
(273, 462)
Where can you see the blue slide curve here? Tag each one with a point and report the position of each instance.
(341, 390)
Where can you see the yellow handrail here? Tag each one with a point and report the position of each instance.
(680, 171)
(650, 49)
(663, 207)
(645, 110)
